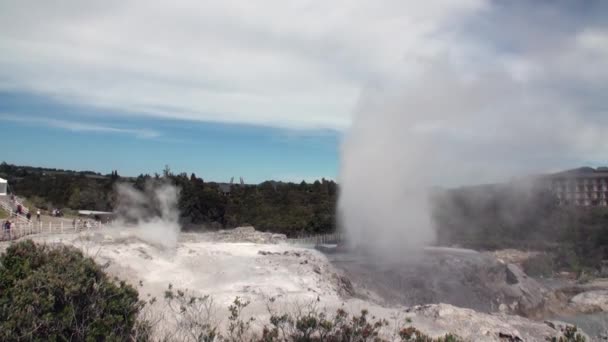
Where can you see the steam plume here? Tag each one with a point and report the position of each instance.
(150, 215)
(445, 127)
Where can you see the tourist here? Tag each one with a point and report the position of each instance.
(7, 228)
(38, 215)
(28, 216)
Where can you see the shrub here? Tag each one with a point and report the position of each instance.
(570, 334)
(412, 334)
(317, 326)
(303, 323)
(55, 293)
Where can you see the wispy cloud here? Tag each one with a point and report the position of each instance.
(283, 64)
(141, 133)
(287, 65)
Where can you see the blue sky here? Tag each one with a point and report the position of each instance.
(237, 88)
(135, 144)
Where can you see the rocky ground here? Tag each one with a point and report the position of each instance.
(258, 266)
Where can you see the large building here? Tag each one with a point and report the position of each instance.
(585, 186)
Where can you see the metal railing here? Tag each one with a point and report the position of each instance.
(10, 207)
(19, 230)
(320, 239)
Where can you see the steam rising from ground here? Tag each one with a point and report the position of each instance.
(151, 214)
(508, 90)
(442, 128)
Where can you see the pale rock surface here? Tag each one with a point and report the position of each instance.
(527, 292)
(439, 319)
(513, 256)
(590, 301)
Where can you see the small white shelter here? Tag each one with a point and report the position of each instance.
(3, 187)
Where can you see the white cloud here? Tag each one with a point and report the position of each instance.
(74, 126)
(290, 64)
(299, 64)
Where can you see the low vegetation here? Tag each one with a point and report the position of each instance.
(570, 334)
(3, 214)
(194, 317)
(57, 294)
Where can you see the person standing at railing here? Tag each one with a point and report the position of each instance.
(38, 215)
(7, 229)
(28, 216)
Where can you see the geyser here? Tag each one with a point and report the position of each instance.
(383, 204)
(150, 215)
(444, 127)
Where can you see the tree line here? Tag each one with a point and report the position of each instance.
(289, 208)
(525, 217)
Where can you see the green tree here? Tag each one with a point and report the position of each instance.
(57, 294)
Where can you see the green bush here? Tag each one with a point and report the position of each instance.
(57, 294)
(304, 323)
(570, 334)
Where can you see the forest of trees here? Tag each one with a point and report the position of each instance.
(523, 216)
(290, 208)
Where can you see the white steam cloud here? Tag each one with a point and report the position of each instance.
(510, 90)
(446, 128)
(150, 215)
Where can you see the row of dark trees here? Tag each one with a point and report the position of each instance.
(523, 216)
(289, 208)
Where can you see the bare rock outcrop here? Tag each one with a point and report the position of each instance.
(459, 277)
(526, 295)
(439, 319)
(590, 301)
